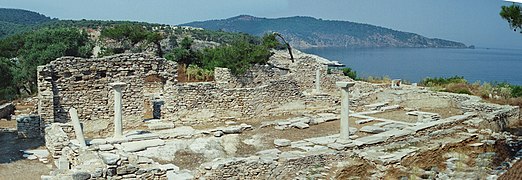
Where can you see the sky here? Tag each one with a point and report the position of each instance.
(473, 22)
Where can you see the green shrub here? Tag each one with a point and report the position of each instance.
(430, 82)
(238, 56)
(350, 73)
(460, 88)
(516, 91)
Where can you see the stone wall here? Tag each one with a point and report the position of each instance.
(213, 101)
(29, 126)
(258, 75)
(497, 117)
(56, 138)
(83, 84)
(261, 168)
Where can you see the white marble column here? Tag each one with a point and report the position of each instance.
(77, 127)
(117, 109)
(345, 104)
(317, 80)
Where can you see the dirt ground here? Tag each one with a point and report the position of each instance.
(12, 164)
(23, 169)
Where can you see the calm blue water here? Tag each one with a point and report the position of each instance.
(414, 64)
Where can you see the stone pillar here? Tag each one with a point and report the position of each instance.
(77, 127)
(117, 109)
(317, 80)
(345, 132)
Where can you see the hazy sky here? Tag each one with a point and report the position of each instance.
(473, 22)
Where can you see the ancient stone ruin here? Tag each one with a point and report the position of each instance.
(282, 120)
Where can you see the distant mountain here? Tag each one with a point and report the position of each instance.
(14, 21)
(305, 32)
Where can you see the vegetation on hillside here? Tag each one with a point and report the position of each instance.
(502, 93)
(13, 21)
(127, 36)
(312, 32)
(21, 54)
(238, 56)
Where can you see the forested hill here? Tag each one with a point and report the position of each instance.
(14, 21)
(304, 32)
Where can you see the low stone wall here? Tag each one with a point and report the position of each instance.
(84, 84)
(215, 102)
(73, 162)
(29, 126)
(6, 110)
(497, 117)
(256, 168)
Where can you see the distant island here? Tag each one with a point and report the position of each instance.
(309, 32)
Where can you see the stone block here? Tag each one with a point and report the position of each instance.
(282, 142)
(372, 129)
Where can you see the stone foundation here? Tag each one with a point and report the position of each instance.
(29, 126)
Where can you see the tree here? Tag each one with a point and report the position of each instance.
(27, 51)
(43, 46)
(7, 92)
(156, 38)
(183, 54)
(133, 33)
(512, 14)
(270, 41)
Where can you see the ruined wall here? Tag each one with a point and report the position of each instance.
(29, 127)
(304, 72)
(83, 83)
(261, 168)
(215, 102)
(256, 76)
(495, 117)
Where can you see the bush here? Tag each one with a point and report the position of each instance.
(195, 73)
(238, 56)
(460, 88)
(350, 73)
(430, 82)
(516, 91)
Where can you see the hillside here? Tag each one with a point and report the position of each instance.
(305, 32)
(14, 21)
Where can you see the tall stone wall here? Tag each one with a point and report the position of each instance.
(83, 83)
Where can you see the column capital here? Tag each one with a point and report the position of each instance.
(117, 84)
(344, 85)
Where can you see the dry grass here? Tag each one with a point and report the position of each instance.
(360, 170)
(7, 124)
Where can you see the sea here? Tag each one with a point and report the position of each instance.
(415, 64)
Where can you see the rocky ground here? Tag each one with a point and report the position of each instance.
(13, 164)
(408, 133)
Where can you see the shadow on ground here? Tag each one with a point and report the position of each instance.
(10, 146)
